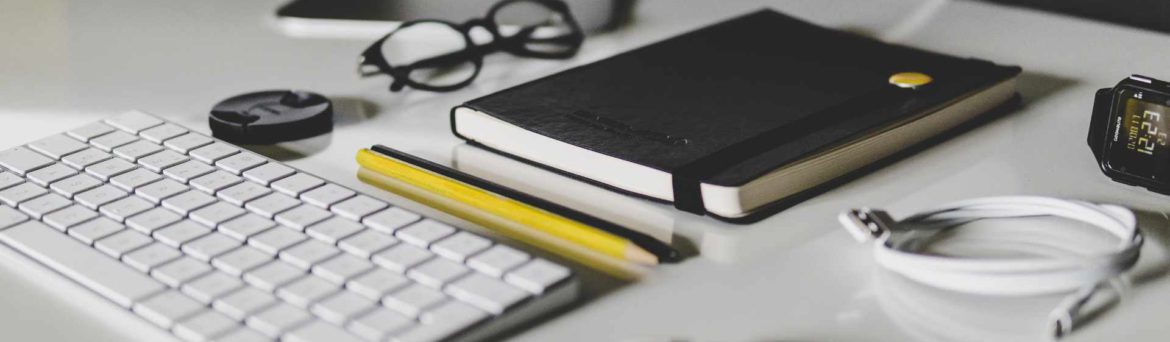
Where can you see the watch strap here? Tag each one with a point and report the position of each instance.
(1100, 119)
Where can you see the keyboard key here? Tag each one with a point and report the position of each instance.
(367, 242)
(9, 179)
(453, 313)
(240, 162)
(188, 170)
(216, 213)
(134, 179)
(208, 246)
(377, 283)
(57, 146)
(25, 191)
(308, 253)
(109, 168)
(497, 260)
(342, 307)
(211, 286)
(401, 257)
(180, 271)
(178, 234)
(71, 216)
(390, 220)
(90, 131)
(95, 229)
(215, 181)
(161, 190)
(342, 268)
(425, 232)
(160, 133)
(243, 192)
(204, 326)
(333, 229)
(302, 216)
(268, 173)
(99, 196)
(149, 221)
(537, 275)
(40, 206)
(22, 160)
(213, 152)
(168, 307)
(276, 239)
(10, 217)
(306, 291)
(245, 226)
(413, 300)
(122, 242)
(437, 272)
(136, 150)
(326, 195)
(129, 206)
(319, 331)
(243, 335)
(52, 173)
(240, 260)
(86, 157)
(380, 324)
(187, 142)
(460, 246)
(277, 319)
(73, 185)
(147, 258)
(486, 293)
(272, 275)
(111, 141)
(162, 160)
(358, 207)
(188, 201)
(133, 121)
(244, 303)
(296, 184)
(108, 277)
(272, 204)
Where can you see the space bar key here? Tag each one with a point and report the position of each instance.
(82, 263)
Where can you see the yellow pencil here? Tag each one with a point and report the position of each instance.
(550, 223)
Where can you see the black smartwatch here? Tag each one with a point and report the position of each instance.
(1128, 132)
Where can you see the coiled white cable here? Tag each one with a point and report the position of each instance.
(899, 245)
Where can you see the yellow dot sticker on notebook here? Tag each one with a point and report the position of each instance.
(910, 79)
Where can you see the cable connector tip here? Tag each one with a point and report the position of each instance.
(866, 224)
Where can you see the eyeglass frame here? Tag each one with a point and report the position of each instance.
(474, 53)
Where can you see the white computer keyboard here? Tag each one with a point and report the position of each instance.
(212, 242)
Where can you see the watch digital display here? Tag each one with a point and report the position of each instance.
(1139, 136)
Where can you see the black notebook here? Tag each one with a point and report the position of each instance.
(731, 118)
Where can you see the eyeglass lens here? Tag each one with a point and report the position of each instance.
(426, 42)
(549, 23)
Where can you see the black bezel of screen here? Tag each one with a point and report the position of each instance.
(1121, 95)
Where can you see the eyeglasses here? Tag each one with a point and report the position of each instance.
(436, 55)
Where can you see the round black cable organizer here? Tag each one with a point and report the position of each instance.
(269, 117)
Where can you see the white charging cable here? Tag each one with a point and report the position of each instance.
(900, 248)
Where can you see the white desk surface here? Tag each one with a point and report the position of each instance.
(794, 276)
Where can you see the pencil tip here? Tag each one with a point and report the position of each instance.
(641, 256)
